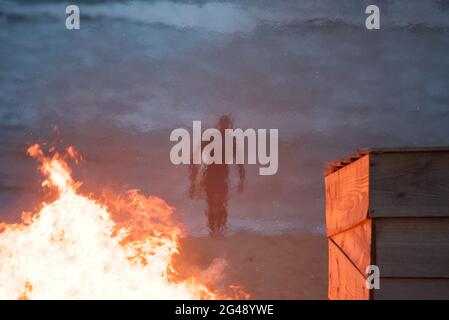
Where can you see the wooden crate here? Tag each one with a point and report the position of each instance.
(390, 208)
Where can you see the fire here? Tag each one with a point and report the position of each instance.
(78, 247)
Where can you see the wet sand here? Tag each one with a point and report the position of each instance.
(267, 266)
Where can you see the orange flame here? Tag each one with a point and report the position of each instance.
(78, 248)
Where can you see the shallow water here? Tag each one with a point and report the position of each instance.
(138, 69)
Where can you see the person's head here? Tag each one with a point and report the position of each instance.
(224, 122)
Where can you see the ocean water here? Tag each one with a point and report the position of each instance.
(138, 69)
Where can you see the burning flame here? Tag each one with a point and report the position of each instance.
(78, 248)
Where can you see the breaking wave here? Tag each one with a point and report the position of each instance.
(231, 17)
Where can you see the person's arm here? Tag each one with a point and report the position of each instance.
(193, 173)
(241, 169)
(241, 177)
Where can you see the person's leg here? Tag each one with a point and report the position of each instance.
(211, 213)
(222, 216)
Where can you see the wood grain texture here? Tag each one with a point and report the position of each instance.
(345, 281)
(412, 289)
(409, 184)
(412, 247)
(356, 244)
(347, 196)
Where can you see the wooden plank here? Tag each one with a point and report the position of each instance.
(409, 184)
(347, 196)
(345, 281)
(356, 244)
(412, 289)
(412, 247)
(410, 149)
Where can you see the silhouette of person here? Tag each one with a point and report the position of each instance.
(213, 181)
